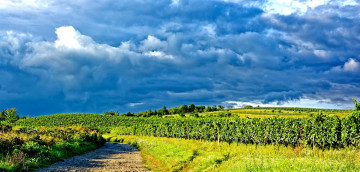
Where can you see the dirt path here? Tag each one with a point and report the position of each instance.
(111, 157)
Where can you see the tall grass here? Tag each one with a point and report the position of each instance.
(24, 149)
(170, 154)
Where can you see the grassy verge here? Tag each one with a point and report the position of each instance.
(18, 161)
(170, 154)
(26, 150)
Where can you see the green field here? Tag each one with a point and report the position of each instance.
(170, 154)
(286, 112)
(249, 139)
(319, 130)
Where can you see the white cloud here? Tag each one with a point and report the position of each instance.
(152, 43)
(159, 54)
(73, 58)
(286, 7)
(16, 40)
(349, 2)
(24, 4)
(134, 104)
(68, 37)
(175, 2)
(321, 53)
(302, 102)
(71, 48)
(351, 65)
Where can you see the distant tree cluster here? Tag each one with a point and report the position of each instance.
(9, 115)
(112, 113)
(160, 112)
(181, 110)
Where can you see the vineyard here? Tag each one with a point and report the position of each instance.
(297, 132)
(319, 130)
(286, 112)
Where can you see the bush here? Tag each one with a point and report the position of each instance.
(5, 128)
(224, 114)
(31, 148)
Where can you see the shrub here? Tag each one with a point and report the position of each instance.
(16, 158)
(31, 148)
(357, 105)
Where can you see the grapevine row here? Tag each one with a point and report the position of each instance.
(319, 131)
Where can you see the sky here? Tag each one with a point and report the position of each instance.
(59, 56)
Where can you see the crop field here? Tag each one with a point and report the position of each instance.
(286, 112)
(249, 139)
(264, 112)
(318, 130)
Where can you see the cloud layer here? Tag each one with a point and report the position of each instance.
(60, 56)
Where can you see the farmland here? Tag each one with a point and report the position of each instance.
(254, 139)
(318, 130)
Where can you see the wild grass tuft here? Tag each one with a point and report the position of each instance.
(170, 154)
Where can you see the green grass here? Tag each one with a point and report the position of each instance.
(170, 154)
(26, 150)
(47, 156)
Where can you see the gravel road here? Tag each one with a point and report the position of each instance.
(110, 157)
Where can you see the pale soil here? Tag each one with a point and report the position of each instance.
(111, 157)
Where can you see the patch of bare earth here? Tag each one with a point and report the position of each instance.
(110, 157)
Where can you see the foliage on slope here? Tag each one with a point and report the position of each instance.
(24, 149)
(320, 130)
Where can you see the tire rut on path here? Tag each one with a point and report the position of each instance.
(111, 157)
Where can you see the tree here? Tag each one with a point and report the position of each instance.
(184, 108)
(199, 109)
(192, 108)
(2, 115)
(175, 110)
(248, 107)
(357, 105)
(220, 107)
(214, 108)
(207, 109)
(149, 113)
(156, 112)
(111, 113)
(162, 111)
(11, 115)
(129, 114)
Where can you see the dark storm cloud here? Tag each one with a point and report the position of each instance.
(133, 55)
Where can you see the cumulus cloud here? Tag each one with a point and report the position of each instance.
(351, 65)
(151, 43)
(59, 57)
(69, 37)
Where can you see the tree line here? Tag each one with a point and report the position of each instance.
(181, 110)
